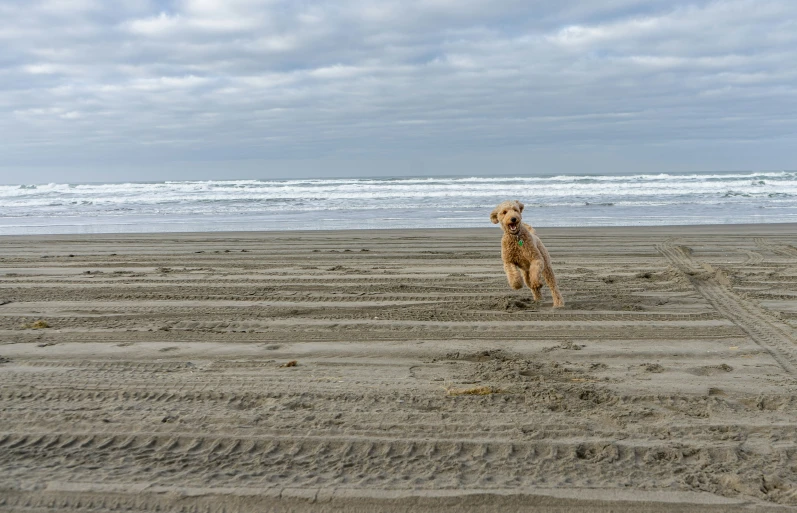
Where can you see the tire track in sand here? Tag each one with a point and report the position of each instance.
(185, 458)
(783, 250)
(753, 258)
(775, 337)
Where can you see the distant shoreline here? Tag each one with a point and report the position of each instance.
(724, 229)
(403, 203)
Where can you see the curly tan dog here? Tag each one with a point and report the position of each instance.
(523, 253)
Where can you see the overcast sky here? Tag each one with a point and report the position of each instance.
(196, 89)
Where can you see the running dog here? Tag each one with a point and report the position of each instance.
(523, 253)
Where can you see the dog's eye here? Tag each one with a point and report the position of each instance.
(504, 212)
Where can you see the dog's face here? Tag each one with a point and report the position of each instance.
(508, 214)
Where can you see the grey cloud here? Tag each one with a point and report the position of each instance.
(86, 84)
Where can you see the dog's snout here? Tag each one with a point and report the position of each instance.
(514, 219)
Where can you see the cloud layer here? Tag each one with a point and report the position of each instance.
(93, 85)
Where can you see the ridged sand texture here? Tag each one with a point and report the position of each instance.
(160, 383)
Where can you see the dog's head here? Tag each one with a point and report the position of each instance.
(508, 214)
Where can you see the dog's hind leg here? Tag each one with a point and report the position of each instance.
(513, 276)
(532, 278)
(550, 278)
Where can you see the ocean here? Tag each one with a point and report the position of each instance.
(358, 203)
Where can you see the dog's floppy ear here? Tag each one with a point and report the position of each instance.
(494, 216)
(519, 206)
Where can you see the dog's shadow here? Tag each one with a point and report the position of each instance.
(516, 304)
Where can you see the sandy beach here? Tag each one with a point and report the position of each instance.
(395, 370)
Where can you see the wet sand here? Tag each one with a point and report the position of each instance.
(667, 383)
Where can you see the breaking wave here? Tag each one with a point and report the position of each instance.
(398, 202)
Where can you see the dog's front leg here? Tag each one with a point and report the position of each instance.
(513, 276)
(532, 279)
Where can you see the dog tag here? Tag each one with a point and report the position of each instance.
(520, 242)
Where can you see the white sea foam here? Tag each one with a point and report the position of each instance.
(406, 202)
